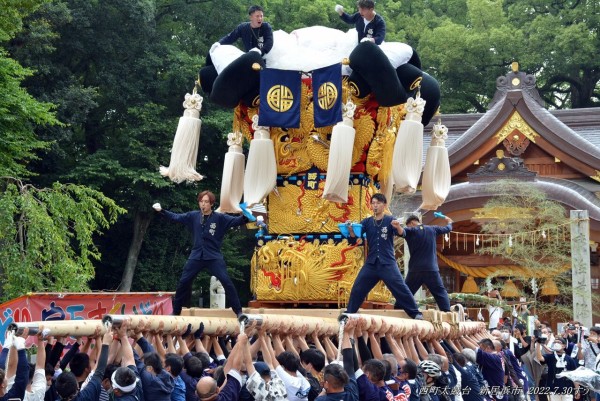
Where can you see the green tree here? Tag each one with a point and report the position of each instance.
(47, 236)
(466, 52)
(533, 233)
(560, 40)
(111, 73)
(20, 113)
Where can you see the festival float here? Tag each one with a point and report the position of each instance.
(329, 122)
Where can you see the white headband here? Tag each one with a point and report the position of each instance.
(125, 389)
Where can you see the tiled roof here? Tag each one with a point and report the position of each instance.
(584, 122)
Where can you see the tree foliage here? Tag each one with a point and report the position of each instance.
(19, 111)
(47, 236)
(534, 232)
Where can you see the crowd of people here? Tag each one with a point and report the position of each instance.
(277, 363)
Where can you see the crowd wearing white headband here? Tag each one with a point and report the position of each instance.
(124, 389)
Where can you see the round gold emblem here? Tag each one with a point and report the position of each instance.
(280, 98)
(328, 94)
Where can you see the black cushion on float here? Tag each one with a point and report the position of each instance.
(415, 60)
(360, 86)
(252, 97)
(369, 61)
(208, 75)
(237, 80)
(410, 77)
(430, 92)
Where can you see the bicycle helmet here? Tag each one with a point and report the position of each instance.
(431, 368)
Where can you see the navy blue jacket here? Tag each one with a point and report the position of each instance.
(190, 382)
(562, 384)
(21, 376)
(156, 387)
(469, 383)
(374, 29)
(261, 37)
(422, 246)
(380, 239)
(138, 393)
(208, 235)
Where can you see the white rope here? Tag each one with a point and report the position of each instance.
(461, 311)
(340, 338)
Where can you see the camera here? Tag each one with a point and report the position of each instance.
(542, 340)
(537, 333)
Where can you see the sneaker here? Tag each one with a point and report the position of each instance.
(418, 316)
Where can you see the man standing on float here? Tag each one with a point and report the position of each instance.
(423, 265)
(380, 261)
(208, 228)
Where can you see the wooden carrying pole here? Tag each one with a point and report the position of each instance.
(274, 322)
(269, 322)
(61, 328)
(168, 324)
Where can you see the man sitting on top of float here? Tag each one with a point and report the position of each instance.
(256, 34)
(369, 25)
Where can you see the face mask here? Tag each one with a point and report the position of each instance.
(557, 347)
(505, 336)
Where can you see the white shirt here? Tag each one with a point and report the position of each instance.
(495, 315)
(38, 386)
(297, 387)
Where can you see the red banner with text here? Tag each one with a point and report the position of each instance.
(39, 307)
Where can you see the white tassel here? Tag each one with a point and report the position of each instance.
(340, 157)
(184, 152)
(436, 175)
(408, 148)
(387, 187)
(232, 184)
(261, 169)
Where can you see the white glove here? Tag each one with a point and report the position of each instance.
(157, 207)
(366, 40)
(339, 9)
(8, 340)
(214, 46)
(19, 343)
(256, 49)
